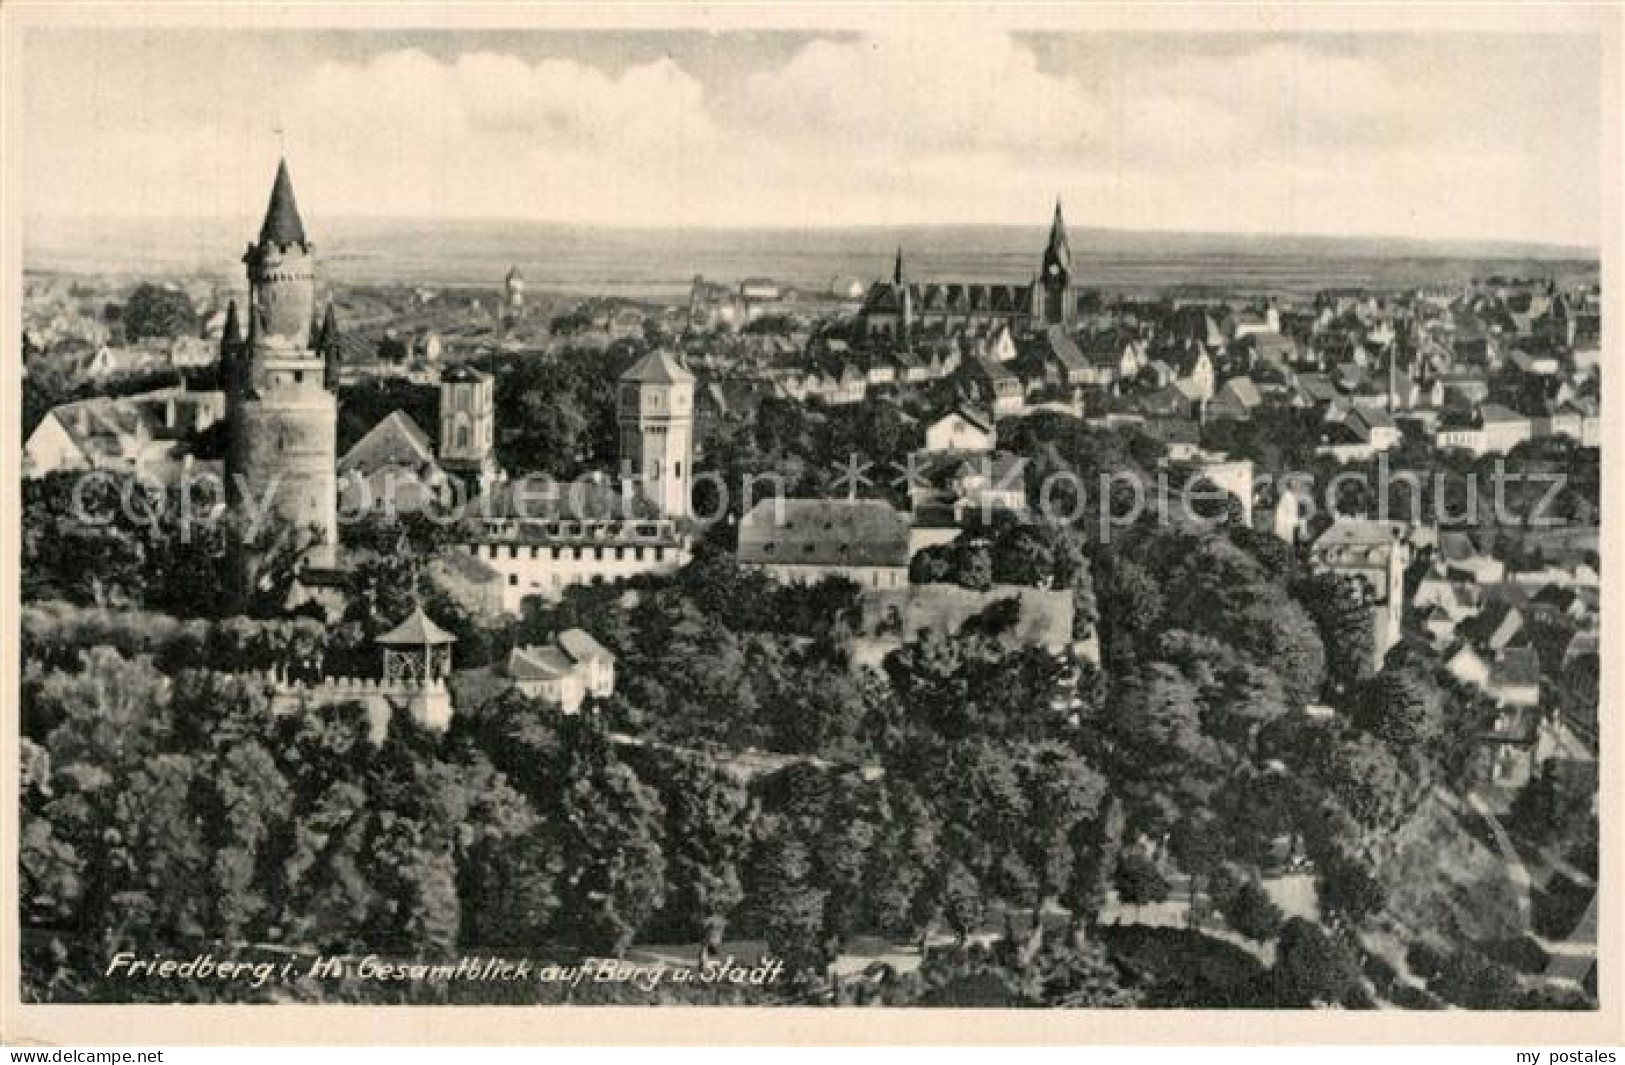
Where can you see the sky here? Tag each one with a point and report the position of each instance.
(1430, 136)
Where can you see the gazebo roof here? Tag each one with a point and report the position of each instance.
(416, 631)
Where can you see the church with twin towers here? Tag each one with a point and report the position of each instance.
(281, 382)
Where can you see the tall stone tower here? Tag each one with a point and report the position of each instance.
(1055, 276)
(281, 419)
(656, 414)
(468, 425)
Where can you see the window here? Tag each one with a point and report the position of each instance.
(637, 554)
(513, 550)
(677, 471)
(598, 554)
(299, 377)
(462, 434)
(533, 550)
(513, 580)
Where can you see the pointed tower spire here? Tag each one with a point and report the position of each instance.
(232, 331)
(327, 345)
(231, 340)
(282, 225)
(1058, 250)
(329, 331)
(897, 270)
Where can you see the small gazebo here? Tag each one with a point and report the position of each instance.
(417, 652)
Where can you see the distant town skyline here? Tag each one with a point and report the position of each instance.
(1430, 137)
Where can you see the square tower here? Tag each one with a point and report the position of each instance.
(468, 424)
(656, 416)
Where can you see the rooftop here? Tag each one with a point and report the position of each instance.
(829, 532)
(416, 631)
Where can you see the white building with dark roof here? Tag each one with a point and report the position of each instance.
(392, 469)
(803, 541)
(543, 537)
(564, 672)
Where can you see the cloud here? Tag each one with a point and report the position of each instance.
(936, 89)
(950, 123)
(554, 103)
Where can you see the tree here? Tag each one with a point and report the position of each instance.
(1365, 777)
(51, 873)
(1470, 980)
(1341, 612)
(1158, 718)
(1249, 910)
(973, 567)
(510, 889)
(247, 803)
(158, 311)
(1044, 554)
(1063, 793)
(1556, 803)
(608, 827)
(932, 565)
(960, 898)
(1130, 603)
(1197, 843)
(1348, 889)
(786, 906)
(1311, 968)
(707, 836)
(1095, 870)
(1402, 708)
(1139, 880)
(897, 883)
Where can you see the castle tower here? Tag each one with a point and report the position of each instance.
(656, 414)
(468, 425)
(1055, 274)
(281, 419)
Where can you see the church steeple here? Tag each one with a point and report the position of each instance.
(282, 225)
(897, 270)
(1059, 306)
(1057, 253)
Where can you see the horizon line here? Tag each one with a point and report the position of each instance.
(1556, 249)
